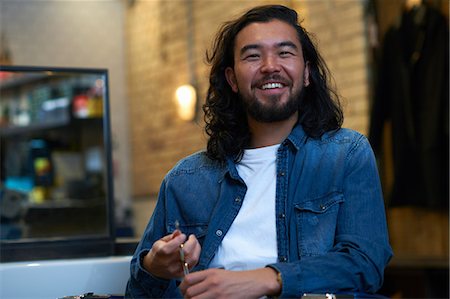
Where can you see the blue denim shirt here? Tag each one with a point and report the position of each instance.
(331, 226)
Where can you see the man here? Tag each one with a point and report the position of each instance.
(283, 202)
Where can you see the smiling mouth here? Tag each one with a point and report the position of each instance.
(271, 86)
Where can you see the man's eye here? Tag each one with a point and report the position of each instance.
(251, 57)
(286, 54)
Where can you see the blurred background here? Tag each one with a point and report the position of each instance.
(389, 60)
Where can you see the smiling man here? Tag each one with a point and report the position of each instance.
(283, 201)
(269, 71)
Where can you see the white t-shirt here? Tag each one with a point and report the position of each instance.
(251, 241)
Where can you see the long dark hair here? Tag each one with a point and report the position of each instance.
(225, 115)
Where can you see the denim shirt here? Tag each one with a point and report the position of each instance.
(330, 218)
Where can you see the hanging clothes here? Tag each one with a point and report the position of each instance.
(413, 93)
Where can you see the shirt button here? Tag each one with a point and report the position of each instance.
(283, 259)
(282, 215)
(281, 173)
(322, 207)
(237, 199)
(219, 233)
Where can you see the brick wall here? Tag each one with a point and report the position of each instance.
(339, 29)
(157, 39)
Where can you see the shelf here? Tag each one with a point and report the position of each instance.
(17, 130)
(67, 203)
(18, 81)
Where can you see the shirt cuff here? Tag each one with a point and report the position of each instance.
(289, 287)
(155, 285)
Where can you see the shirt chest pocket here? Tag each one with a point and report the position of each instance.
(197, 229)
(316, 223)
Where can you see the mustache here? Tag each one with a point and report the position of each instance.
(272, 77)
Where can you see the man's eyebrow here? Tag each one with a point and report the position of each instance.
(287, 44)
(278, 45)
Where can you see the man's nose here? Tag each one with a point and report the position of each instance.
(270, 64)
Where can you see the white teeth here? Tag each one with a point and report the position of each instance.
(272, 85)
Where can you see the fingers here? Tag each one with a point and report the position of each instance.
(171, 236)
(201, 284)
(191, 285)
(191, 249)
(170, 243)
(163, 259)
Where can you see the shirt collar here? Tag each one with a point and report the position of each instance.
(231, 168)
(297, 136)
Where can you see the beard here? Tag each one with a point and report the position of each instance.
(274, 111)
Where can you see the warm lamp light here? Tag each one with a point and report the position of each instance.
(186, 98)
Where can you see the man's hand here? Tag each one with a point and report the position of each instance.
(219, 283)
(163, 260)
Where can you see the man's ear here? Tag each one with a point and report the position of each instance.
(231, 79)
(306, 74)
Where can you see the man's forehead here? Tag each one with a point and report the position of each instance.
(273, 32)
